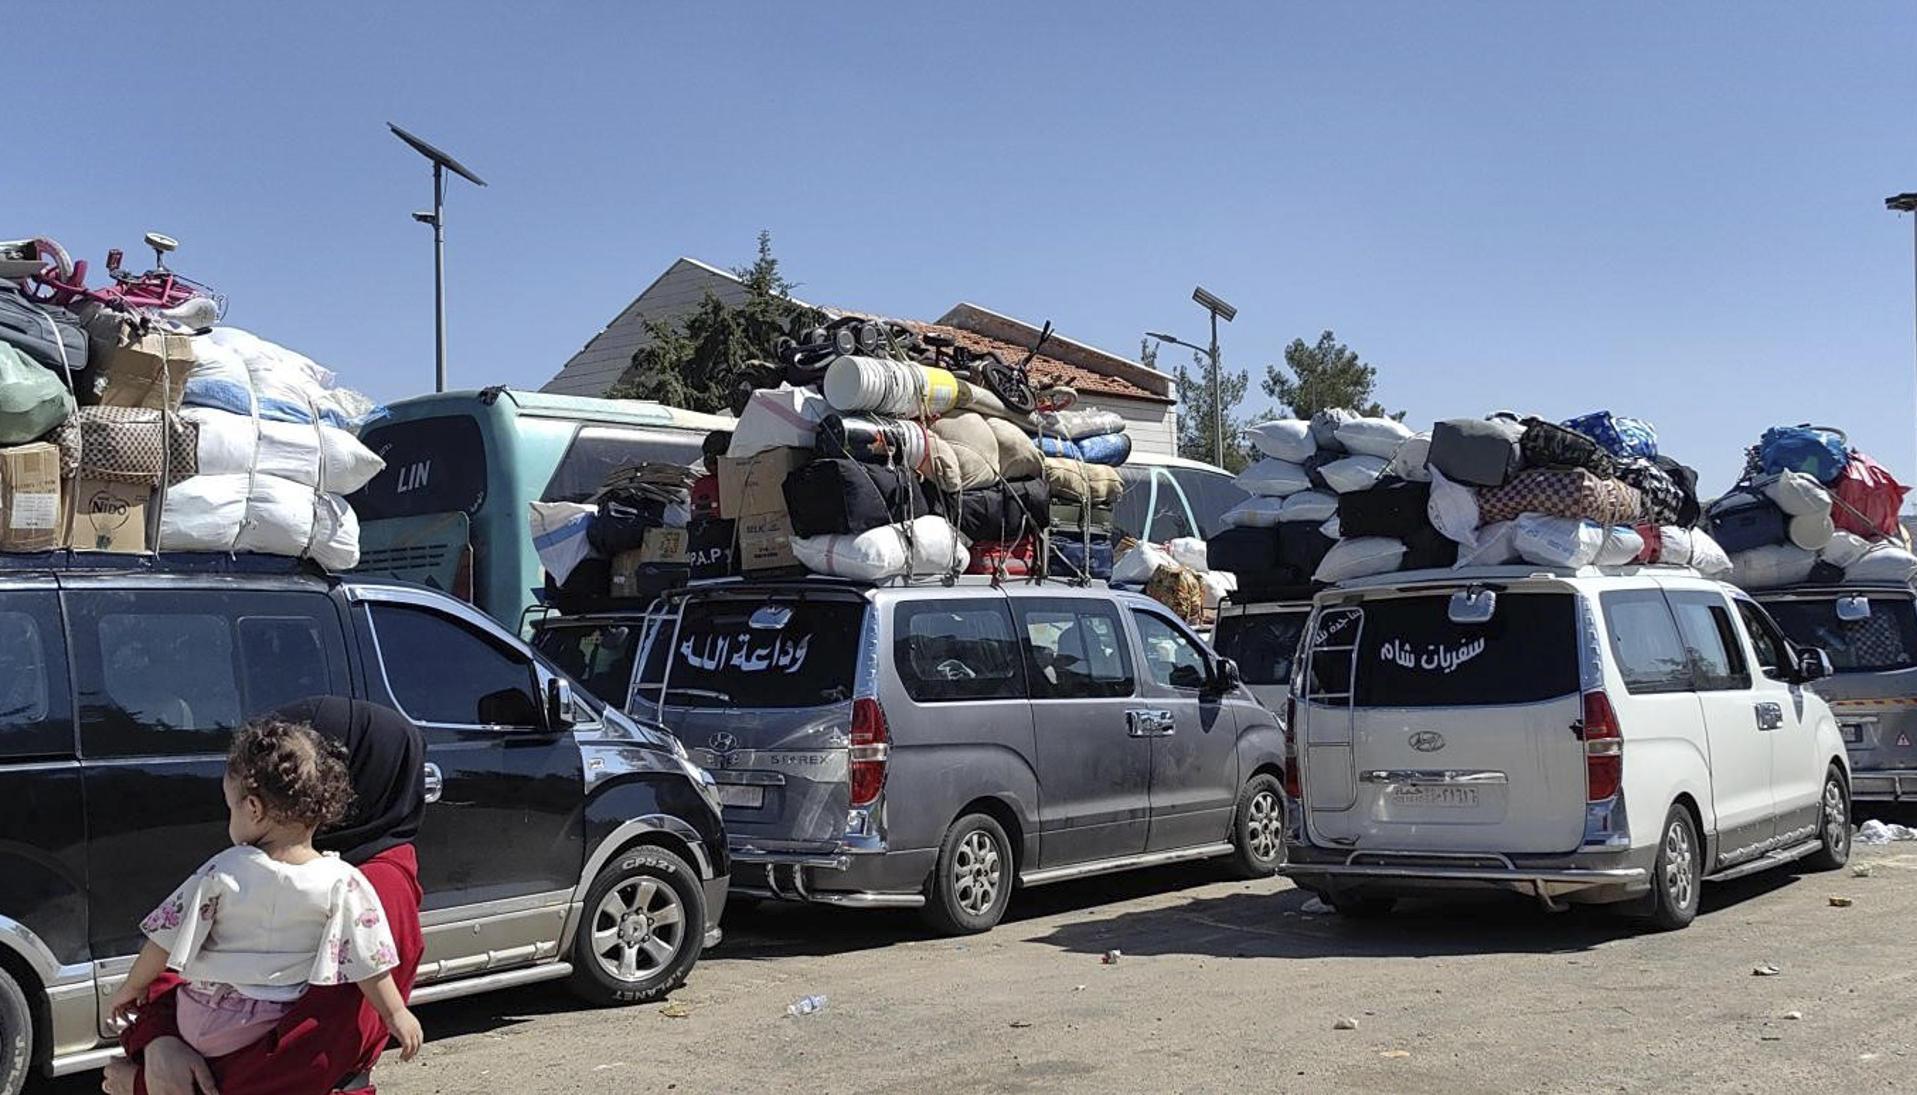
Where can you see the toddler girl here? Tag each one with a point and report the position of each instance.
(270, 915)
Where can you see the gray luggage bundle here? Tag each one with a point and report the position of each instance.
(1481, 452)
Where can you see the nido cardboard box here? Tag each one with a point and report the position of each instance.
(104, 515)
(30, 497)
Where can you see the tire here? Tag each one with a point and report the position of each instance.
(1258, 829)
(972, 882)
(626, 950)
(1363, 908)
(1833, 824)
(1678, 875)
(16, 1035)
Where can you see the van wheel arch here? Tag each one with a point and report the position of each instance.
(40, 1044)
(1707, 855)
(1007, 817)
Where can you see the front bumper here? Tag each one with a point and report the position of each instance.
(1390, 872)
(1883, 786)
(715, 889)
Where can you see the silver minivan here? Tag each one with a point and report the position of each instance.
(1869, 631)
(933, 745)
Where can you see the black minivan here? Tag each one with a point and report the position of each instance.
(121, 678)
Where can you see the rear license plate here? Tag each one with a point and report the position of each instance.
(1435, 797)
(1853, 732)
(734, 794)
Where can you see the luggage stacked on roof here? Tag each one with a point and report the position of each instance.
(1811, 508)
(1343, 496)
(130, 421)
(869, 452)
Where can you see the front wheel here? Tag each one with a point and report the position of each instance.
(1677, 877)
(1258, 829)
(642, 930)
(16, 1036)
(972, 882)
(1833, 825)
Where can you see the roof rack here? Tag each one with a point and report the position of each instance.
(1510, 573)
(172, 562)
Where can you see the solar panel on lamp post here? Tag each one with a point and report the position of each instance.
(437, 218)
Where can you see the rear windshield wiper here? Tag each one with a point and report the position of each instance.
(702, 693)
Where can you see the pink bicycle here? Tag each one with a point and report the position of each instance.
(158, 292)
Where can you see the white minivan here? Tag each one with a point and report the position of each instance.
(1592, 736)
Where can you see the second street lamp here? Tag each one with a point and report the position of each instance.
(1218, 309)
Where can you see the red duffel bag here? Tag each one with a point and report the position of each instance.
(1016, 558)
(1868, 499)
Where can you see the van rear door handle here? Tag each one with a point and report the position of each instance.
(1147, 723)
(1770, 716)
(435, 782)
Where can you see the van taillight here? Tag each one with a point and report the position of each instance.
(1291, 749)
(870, 745)
(1603, 748)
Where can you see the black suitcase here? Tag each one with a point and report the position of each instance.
(1394, 507)
(1004, 511)
(842, 497)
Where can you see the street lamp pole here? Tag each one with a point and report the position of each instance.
(1907, 203)
(437, 218)
(1218, 309)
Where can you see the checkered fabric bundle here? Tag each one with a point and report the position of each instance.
(1561, 492)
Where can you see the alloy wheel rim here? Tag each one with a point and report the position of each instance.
(976, 870)
(1680, 867)
(1836, 817)
(1264, 821)
(638, 929)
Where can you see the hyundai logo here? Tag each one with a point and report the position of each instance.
(1427, 741)
(723, 743)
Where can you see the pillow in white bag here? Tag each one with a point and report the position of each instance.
(1412, 460)
(1771, 566)
(1273, 477)
(1188, 552)
(1353, 473)
(1137, 566)
(1309, 505)
(1258, 511)
(318, 456)
(1379, 437)
(1622, 545)
(1813, 531)
(1494, 546)
(1707, 555)
(1360, 557)
(1844, 549)
(1797, 494)
(1453, 509)
(936, 548)
(1557, 541)
(1332, 530)
(1283, 439)
(1882, 563)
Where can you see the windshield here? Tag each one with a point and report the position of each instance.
(599, 658)
(1886, 639)
(1410, 654)
(767, 652)
(1262, 643)
(599, 451)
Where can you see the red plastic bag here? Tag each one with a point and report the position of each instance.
(1868, 499)
(1018, 558)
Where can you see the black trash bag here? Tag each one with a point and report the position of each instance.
(1393, 507)
(1004, 511)
(843, 497)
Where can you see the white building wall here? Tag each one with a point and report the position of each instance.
(1153, 426)
(596, 367)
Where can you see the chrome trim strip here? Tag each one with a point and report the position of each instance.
(1595, 877)
(844, 900)
(453, 990)
(1765, 862)
(1436, 777)
(494, 910)
(83, 1062)
(1124, 863)
(825, 862)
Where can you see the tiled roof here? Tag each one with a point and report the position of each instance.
(1045, 370)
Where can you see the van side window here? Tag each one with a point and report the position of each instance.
(443, 671)
(1717, 657)
(1765, 639)
(166, 673)
(1170, 657)
(34, 720)
(1074, 650)
(1644, 639)
(957, 650)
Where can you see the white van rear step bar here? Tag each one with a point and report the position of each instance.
(1766, 861)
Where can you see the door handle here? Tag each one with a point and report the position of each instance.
(1148, 723)
(435, 782)
(1770, 716)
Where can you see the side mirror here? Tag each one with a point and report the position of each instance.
(1228, 676)
(1812, 665)
(559, 705)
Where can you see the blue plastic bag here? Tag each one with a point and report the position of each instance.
(1619, 436)
(1110, 449)
(1819, 453)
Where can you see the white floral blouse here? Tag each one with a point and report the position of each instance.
(269, 929)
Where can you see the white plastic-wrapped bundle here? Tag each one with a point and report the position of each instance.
(559, 532)
(1273, 478)
(1309, 505)
(884, 386)
(1557, 541)
(1772, 565)
(1491, 546)
(1258, 511)
(1412, 460)
(260, 513)
(1189, 552)
(1844, 549)
(778, 418)
(1798, 495)
(1137, 566)
(932, 545)
(1360, 557)
(1379, 437)
(316, 455)
(1883, 563)
(239, 372)
(1622, 545)
(1453, 509)
(1353, 473)
(1286, 439)
(1812, 531)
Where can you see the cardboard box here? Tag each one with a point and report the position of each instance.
(750, 486)
(103, 515)
(30, 515)
(765, 542)
(645, 571)
(665, 545)
(144, 371)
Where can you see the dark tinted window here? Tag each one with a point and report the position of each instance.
(1171, 657)
(1409, 653)
(34, 717)
(1651, 655)
(1262, 643)
(1152, 507)
(756, 653)
(598, 451)
(1717, 658)
(443, 671)
(1887, 639)
(1210, 494)
(172, 672)
(599, 658)
(433, 465)
(1769, 642)
(1074, 650)
(957, 650)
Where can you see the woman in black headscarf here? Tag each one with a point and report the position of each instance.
(332, 1037)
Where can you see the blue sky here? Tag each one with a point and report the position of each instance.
(1673, 212)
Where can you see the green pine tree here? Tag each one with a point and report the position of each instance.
(1323, 376)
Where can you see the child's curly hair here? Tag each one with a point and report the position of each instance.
(299, 775)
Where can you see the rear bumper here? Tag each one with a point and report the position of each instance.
(849, 877)
(1898, 785)
(1590, 875)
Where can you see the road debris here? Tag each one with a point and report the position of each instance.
(1876, 832)
(676, 1010)
(1862, 870)
(1840, 902)
(1395, 1053)
(805, 1005)
(1793, 1015)
(1021, 1024)
(1766, 970)
(1111, 957)
(1344, 1022)
(1316, 907)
